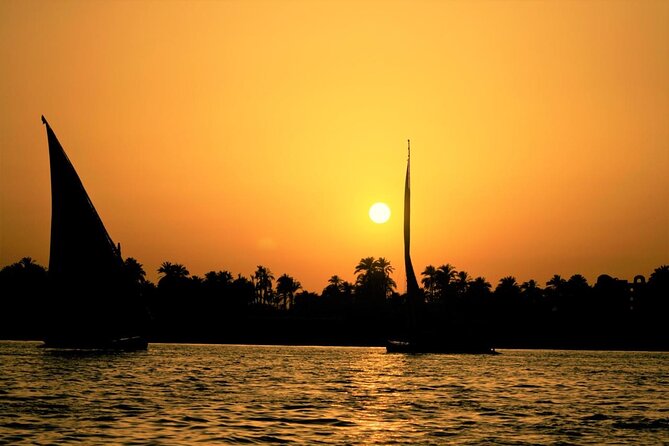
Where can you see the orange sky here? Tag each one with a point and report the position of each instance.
(224, 135)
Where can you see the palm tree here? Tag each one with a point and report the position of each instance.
(445, 277)
(263, 284)
(32, 274)
(508, 282)
(555, 290)
(556, 284)
(479, 288)
(27, 263)
(577, 285)
(336, 281)
(529, 286)
(172, 273)
(578, 281)
(507, 287)
(332, 289)
(135, 270)
(286, 287)
(507, 298)
(531, 291)
(338, 291)
(24, 266)
(384, 269)
(658, 289)
(374, 277)
(660, 276)
(384, 266)
(224, 277)
(461, 283)
(429, 281)
(364, 270)
(218, 278)
(480, 283)
(173, 270)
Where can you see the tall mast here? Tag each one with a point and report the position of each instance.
(412, 284)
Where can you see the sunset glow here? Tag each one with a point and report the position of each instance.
(226, 135)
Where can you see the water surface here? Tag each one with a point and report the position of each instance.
(189, 394)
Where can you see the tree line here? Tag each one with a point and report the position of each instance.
(263, 308)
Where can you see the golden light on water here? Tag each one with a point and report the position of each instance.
(379, 213)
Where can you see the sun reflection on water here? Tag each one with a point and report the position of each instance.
(186, 394)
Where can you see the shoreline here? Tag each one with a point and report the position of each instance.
(584, 347)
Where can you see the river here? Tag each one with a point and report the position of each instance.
(225, 394)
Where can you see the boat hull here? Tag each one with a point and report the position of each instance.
(398, 346)
(131, 343)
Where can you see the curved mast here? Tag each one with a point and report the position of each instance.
(412, 283)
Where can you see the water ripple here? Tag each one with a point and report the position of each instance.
(198, 394)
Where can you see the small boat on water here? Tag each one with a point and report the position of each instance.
(94, 303)
(417, 340)
(427, 346)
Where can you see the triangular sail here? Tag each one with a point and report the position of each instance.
(78, 236)
(92, 299)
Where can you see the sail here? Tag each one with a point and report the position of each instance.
(78, 236)
(424, 334)
(422, 337)
(92, 299)
(412, 284)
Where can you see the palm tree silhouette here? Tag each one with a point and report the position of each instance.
(364, 270)
(507, 289)
(262, 280)
(444, 285)
(461, 283)
(529, 286)
(337, 288)
(659, 276)
(172, 273)
(384, 266)
(429, 282)
(218, 278)
(135, 271)
(384, 269)
(27, 263)
(578, 282)
(509, 283)
(530, 291)
(479, 287)
(556, 284)
(374, 278)
(286, 287)
(173, 270)
(658, 289)
(336, 281)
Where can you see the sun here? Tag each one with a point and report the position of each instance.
(379, 213)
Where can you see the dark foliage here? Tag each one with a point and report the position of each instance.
(565, 313)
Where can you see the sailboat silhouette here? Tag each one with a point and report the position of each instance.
(418, 340)
(93, 303)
